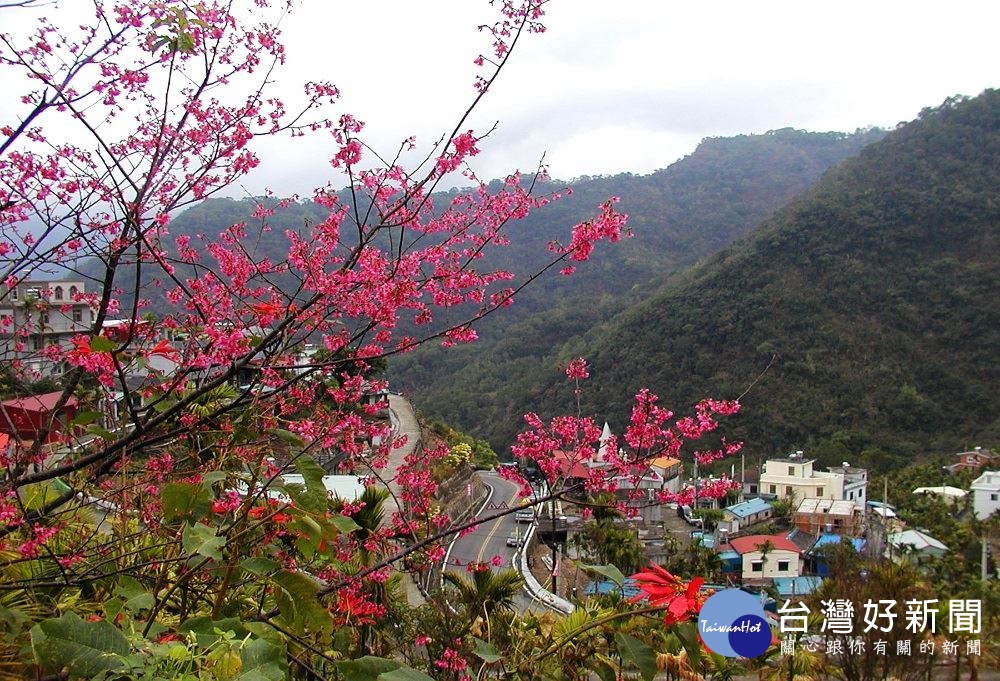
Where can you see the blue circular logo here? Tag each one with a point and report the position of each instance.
(731, 623)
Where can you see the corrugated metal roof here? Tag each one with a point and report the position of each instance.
(748, 508)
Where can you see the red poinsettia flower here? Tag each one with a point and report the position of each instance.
(661, 587)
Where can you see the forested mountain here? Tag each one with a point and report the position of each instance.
(875, 294)
(678, 215)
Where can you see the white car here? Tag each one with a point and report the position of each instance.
(525, 516)
(514, 541)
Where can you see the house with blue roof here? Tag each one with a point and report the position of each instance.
(747, 513)
(820, 565)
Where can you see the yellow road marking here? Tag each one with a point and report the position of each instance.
(496, 526)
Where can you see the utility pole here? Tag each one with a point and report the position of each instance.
(984, 560)
(555, 554)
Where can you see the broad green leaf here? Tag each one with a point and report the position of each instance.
(101, 344)
(259, 565)
(287, 436)
(105, 435)
(85, 649)
(203, 540)
(366, 668)
(604, 668)
(313, 498)
(485, 651)
(263, 661)
(182, 500)
(344, 523)
(85, 418)
(608, 572)
(208, 631)
(635, 652)
(296, 599)
(136, 597)
(212, 477)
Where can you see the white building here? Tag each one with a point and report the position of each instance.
(767, 556)
(986, 494)
(46, 313)
(855, 484)
(793, 478)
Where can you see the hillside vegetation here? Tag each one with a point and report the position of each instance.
(873, 297)
(678, 216)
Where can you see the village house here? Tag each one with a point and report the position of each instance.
(764, 557)
(836, 516)
(986, 494)
(22, 418)
(975, 460)
(794, 478)
(747, 513)
(913, 545)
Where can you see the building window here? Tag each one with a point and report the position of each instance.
(993, 497)
(36, 343)
(58, 293)
(788, 490)
(77, 316)
(783, 565)
(774, 489)
(73, 290)
(756, 566)
(819, 491)
(753, 489)
(791, 470)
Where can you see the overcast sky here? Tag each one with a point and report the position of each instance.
(633, 85)
(623, 85)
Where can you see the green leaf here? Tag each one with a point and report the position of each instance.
(635, 652)
(370, 668)
(202, 540)
(263, 661)
(287, 436)
(101, 344)
(313, 498)
(296, 599)
(212, 477)
(485, 651)
(182, 500)
(209, 631)
(366, 668)
(344, 523)
(136, 597)
(105, 435)
(604, 669)
(85, 418)
(608, 572)
(259, 565)
(85, 649)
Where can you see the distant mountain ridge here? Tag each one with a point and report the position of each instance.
(875, 293)
(679, 215)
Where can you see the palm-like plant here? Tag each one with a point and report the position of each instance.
(486, 592)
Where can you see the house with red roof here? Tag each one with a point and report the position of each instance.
(766, 556)
(22, 417)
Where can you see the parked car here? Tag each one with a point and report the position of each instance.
(526, 515)
(689, 516)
